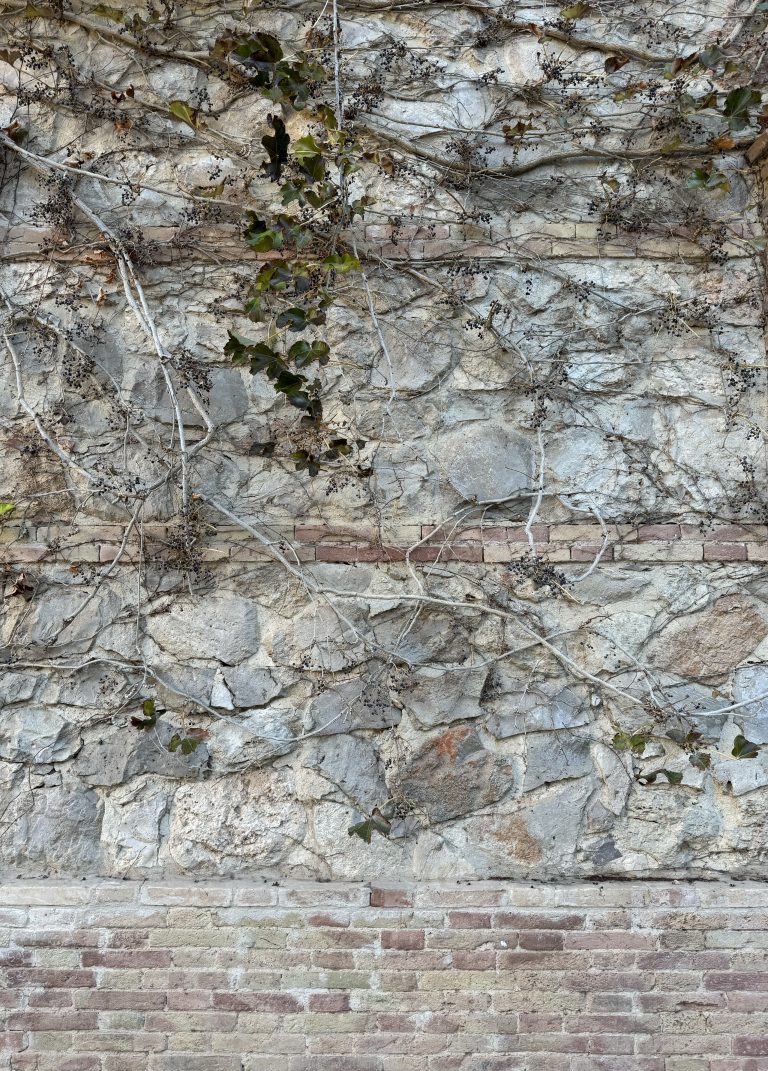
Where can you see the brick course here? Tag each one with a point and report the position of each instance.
(559, 544)
(481, 976)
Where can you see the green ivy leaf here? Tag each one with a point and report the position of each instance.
(342, 262)
(186, 744)
(672, 776)
(113, 13)
(150, 712)
(6, 508)
(635, 743)
(745, 749)
(277, 148)
(738, 104)
(295, 319)
(365, 830)
(181, 110)
(259, 50)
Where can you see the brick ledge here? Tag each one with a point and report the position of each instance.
(558, 544)
(273, 892)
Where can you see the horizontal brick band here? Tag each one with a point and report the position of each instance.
(663, 543)
(301, 976)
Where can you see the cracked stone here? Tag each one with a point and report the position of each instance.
(37, 735)
(115, 759)
(452, 774)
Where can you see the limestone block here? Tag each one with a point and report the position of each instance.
(451, 774)
(485, 462)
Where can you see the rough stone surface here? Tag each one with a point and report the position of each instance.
(37, 735)
(452, 774)
(714, 641)
(478, 637)
(117, 758)
(246, 819)
(485, 463)
(550, 758)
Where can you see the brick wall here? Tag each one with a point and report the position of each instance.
(622, 976)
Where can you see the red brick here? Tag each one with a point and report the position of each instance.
(51, 979)
(531, 920)
(588, 554)
(45, 998)
(546, 940)
(191, 1000)
(328, 920)
(662, 532)
(257, 1002)
(39, 1020)
(133, 960)
(383, 896)
(750, 1046)
(11, 1041)
(725, 552)
(406, 940)
(330, 1002)
(469, 920)
(474, 961)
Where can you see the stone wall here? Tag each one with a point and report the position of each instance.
(549, 534)
(237, 976)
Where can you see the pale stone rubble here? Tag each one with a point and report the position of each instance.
(484, 755)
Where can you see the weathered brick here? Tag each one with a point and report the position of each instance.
(193, 894)
(750, 1046)
(469, 920)
(391, 896)
(725, 552)
(402, 939)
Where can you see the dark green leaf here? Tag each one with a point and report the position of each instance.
(259, 50)
(365, 830)
(262, 449)
(277, 148)
(149, 720)
(635, 743)
(113, 13)
(672, 776)
(745, 749)
(711, 57)
(737, 106)
(295, 319)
